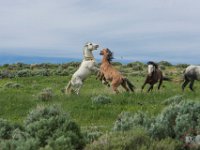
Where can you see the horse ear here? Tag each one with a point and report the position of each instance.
(86, 44)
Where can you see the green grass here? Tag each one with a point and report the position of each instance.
(16, 103)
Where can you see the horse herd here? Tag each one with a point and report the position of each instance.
(110, 76)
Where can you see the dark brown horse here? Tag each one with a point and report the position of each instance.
(154, 75)
(111, 74)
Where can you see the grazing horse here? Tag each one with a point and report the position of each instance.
(87, 66)
(154, 75)
(110, 74)
(191, 74)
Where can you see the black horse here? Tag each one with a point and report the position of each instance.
(154, 75)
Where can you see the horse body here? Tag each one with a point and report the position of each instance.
(110, 74)
(191, 74)
(154, 75)
(87, 66)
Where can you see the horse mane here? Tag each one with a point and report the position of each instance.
(110, 55)
(153, 63)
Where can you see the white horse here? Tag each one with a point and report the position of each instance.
(191, 74)
(87, 66)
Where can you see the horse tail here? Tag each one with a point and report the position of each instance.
(130, 85)
(68, 88)
(167, 79)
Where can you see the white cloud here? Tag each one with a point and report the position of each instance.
(129, 27)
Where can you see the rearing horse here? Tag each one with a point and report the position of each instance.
(87, 66)
(154, 75)
(110, 74)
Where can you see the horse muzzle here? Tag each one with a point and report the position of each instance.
(95, 47)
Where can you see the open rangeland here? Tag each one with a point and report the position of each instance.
(19, 95)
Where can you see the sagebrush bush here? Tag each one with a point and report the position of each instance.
(6, 74)
(177, 120)
(20, 65)
(29, 144)
(162, 67)
(13, 136)
(46, 94)
(62, 72)
(6, 129)
(44, 128)
(71, 69)
(137, 63)
(124, 122)
(165, 144)
(12, 85)
(54, 128)
(173, 100)
(165, 63)
(137, 67)
(134, 139)
(23, 73)
(40, 72)
(182, 65)
(101, 99)
(92, 133)
(127, 121)
(180, 118)
(138, 73)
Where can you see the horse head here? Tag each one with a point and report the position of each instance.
(152, 66)
(87, 50)
(107, 54)
(91, 46)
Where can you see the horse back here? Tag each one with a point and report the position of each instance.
(110, 72)
(192, 72)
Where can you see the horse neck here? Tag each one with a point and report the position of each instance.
(105, 60)
(156, 73)
(87, 53)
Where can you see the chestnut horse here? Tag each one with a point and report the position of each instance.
(154, 75)
(102, 78)
(110, 74)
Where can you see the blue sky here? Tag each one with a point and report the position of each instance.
(137, 30)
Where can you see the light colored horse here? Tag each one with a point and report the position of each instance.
(87, 66)
(191, 74)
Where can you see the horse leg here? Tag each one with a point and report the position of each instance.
(145, 82)
(144, 85)
(191, 85)
(115, 85)
(115, 89)
(184, 84)
(150, 88)
(106, 82)
(98, 75)
(94, 68)
(124, 86)
(160, 83)
(78, 85)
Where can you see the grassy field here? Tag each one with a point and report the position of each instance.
(16, 103)
(139, 120)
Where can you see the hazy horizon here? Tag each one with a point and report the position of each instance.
(137, 30)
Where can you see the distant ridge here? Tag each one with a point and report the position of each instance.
(12, 59)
